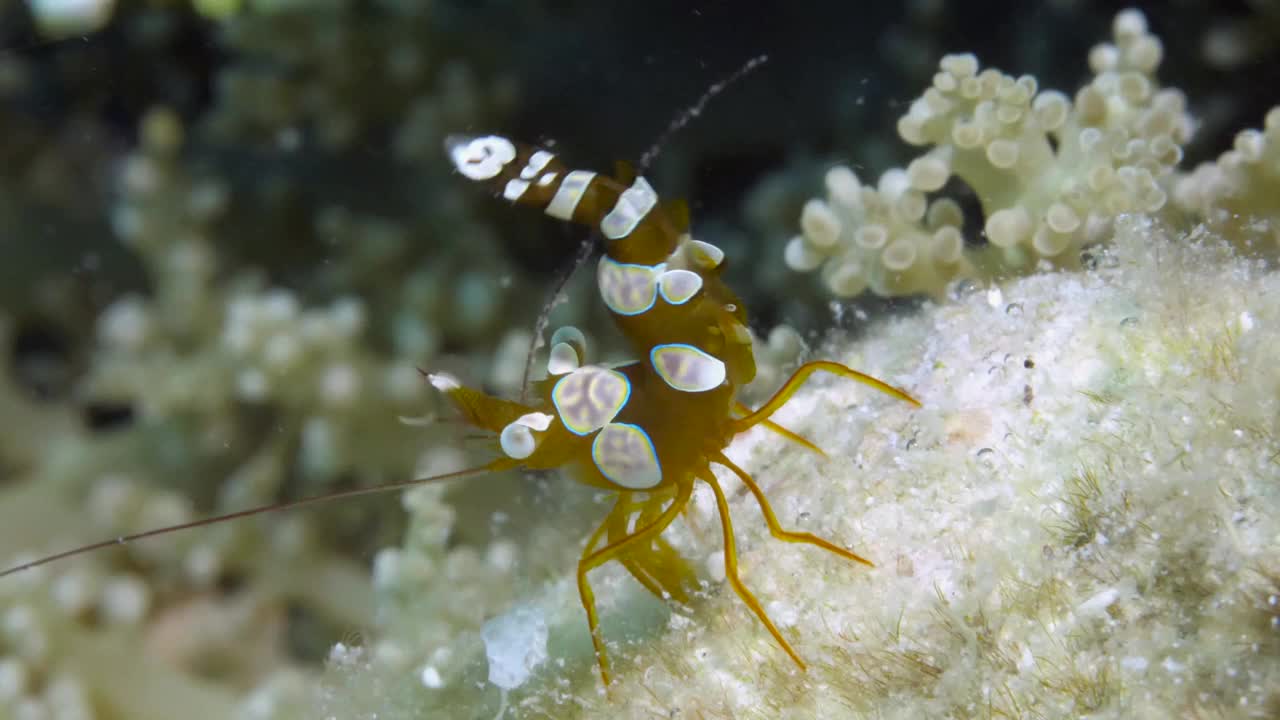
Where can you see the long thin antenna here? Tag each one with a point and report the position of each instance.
(696, 109)
(494, 466)
(589, 246)
(586, 250)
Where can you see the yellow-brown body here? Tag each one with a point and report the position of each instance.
(652, 429)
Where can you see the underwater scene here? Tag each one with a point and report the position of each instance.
(560, 359)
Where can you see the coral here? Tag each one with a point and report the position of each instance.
(887, 239)
(269, 354)
(240, 396)
(1049, 172)
(64, 636)
(1237, 193)
(343, 82)
(1081, 511)
(343, 71)
(1078, 522)
(776, 356)
(241, 393)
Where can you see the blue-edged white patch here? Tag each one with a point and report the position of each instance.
(626, 288)
(686, 368)
(590, 397)
(678, 286)
(625, 455)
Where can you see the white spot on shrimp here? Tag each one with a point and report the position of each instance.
(633, 205)
(444, 382)
(625, 455)
(517, 441)
(514, 189)
(480, 158)
(570, 192)
(537, 161)
(687, 368)
(678, 286)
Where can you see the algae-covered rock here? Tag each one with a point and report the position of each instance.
(1081, 520)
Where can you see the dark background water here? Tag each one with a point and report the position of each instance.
(599, 80)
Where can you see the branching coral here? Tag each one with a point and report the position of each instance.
(240, 385)
(1237, 193)
(1078, 522)
(345, 71)
(241, 395)
(1083, 508)
(1050, 173)
(346, 84)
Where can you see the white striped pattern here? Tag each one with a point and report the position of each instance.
(514, 189)
(569, 194)
(633, 204)
(537, 161)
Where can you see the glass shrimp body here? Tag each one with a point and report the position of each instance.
(651, 429)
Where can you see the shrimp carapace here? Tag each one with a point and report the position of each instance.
(651, 429)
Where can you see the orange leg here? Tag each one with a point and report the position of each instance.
(797, 379)
(643, 577)
(731, 568)
(772, 520)
(791, 435)
(594, 559)
(647, 576)
(658, 567)
(617, 529)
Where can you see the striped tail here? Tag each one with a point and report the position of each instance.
(635, 227)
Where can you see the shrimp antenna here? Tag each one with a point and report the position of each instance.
(586, 250)
(496, 465)
(694, 110)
